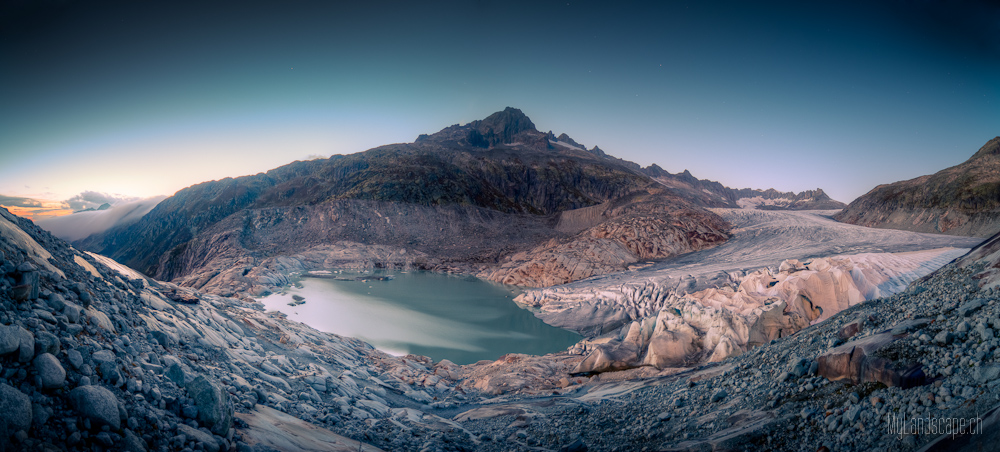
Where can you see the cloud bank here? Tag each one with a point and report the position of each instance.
(83, 224)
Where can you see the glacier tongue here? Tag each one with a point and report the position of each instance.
(712, 304)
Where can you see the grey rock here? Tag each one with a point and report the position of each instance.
(575, 446)
(75, 358)
(50, 370)
(164, 339)
(16, 409)
(133, 443)
(968, 308)
(56, 302)
(40, 414)
(9, 339)
(72, 312)
(719, 395)
(97, 404)
(176, 373)
(189, 411)
(46, 342)
(944, 338)
(799, 367)
(103, 356)
(987, 373)
(26, 345)
(207, 440)
(214, 409)
(105, 439)
(45, 315)
(27, 288)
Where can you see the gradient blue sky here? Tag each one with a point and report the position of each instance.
(145, 98)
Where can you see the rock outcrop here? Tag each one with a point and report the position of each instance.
(641, 226)
(961, 200)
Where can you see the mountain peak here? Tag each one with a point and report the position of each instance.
(500, 128)
(509, 126)
(991, 147)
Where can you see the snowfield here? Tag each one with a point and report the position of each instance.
(780, 272)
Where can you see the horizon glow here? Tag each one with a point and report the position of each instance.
(147, 99)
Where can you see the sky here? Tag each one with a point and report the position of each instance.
(127, 99)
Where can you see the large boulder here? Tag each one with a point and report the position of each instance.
(97, 404)
(16, 409)
(50, 370)
(609, 357)
(10, 340)
(214, 409)
(856, 361)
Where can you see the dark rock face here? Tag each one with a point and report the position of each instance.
(961, 200)
(502, 127)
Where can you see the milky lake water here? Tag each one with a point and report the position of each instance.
(462, 319)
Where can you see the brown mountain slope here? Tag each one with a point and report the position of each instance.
(463, 199)
(961, 200)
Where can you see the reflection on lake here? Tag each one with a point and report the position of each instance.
(462, 319)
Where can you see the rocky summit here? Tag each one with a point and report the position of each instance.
(961, 200)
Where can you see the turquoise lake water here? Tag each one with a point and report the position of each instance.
(459, 318)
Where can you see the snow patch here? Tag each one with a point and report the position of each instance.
(566, 145)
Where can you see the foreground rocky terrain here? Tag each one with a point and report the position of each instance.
(495, 197)
(96, 357)
(961, 200)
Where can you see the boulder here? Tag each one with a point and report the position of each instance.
(97, 404)
(56, 302)
(133, 443)
(16, 409)
(50, 370)
(214, 410)
(855, 361)
(27, 287)
(26, 345)
(970, 307)
(850, 330)
(10, 340)
(609, 357)
(208, 441)
(46, 342)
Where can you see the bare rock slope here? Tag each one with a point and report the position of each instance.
(961, 200)
(468, 198)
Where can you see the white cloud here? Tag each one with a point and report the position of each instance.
(81, 225)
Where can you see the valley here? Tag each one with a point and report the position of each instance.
(679, 314)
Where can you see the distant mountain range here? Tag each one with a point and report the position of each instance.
(495, 197)
(961, 200)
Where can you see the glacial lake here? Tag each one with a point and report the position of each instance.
(459, 318)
